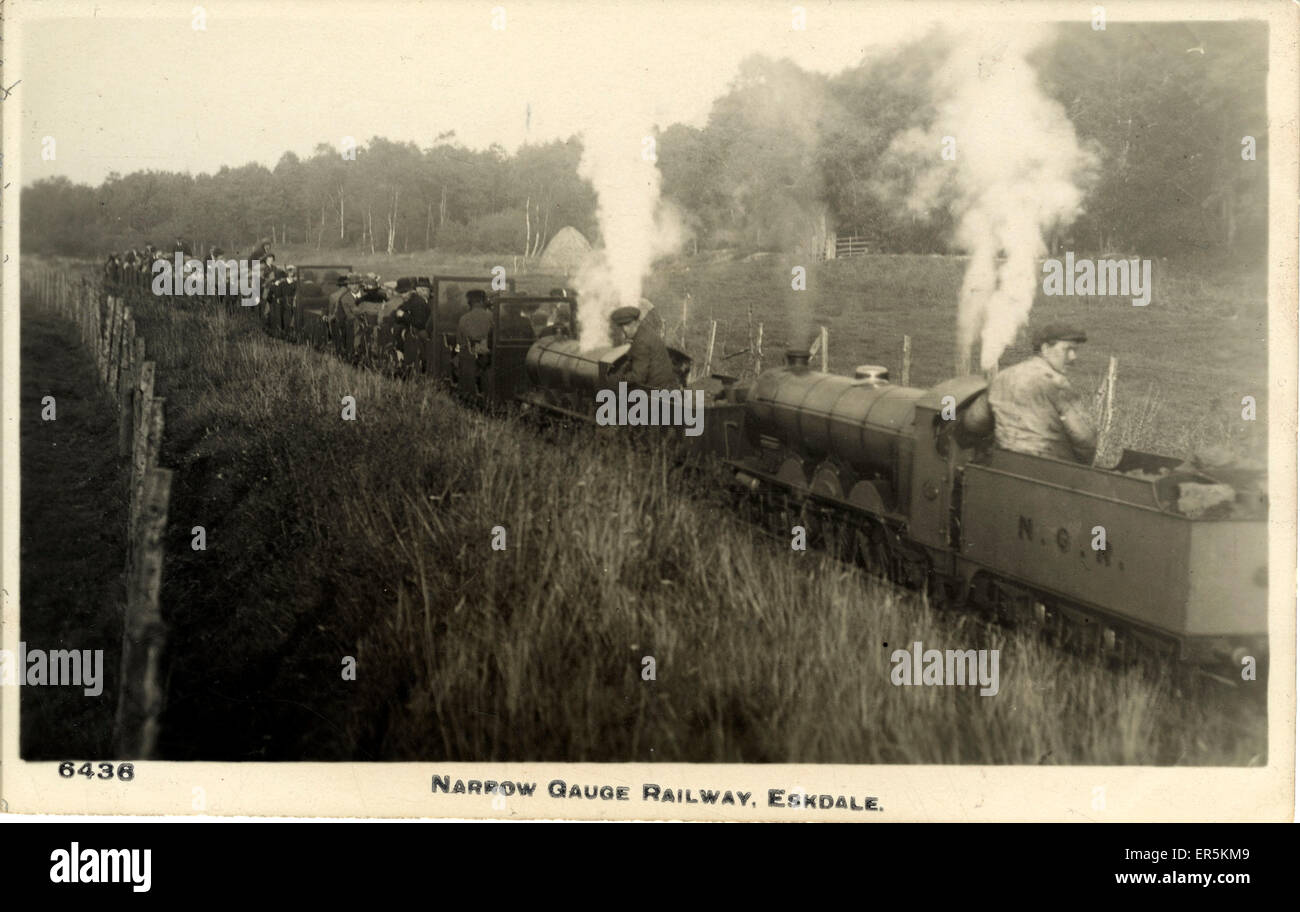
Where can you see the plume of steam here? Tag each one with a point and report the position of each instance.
(636, 225)
(1019, 171)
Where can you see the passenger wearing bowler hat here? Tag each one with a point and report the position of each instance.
(1034, 408)
(647, 362)
(342, 312)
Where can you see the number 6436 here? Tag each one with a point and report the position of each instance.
(124, 771)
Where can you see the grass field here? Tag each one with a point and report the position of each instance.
(371, 539)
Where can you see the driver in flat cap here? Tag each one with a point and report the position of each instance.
(647, 362)
(1034, 408)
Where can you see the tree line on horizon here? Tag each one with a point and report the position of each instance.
(784, 156)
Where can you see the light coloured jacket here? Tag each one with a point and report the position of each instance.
(1035, 410)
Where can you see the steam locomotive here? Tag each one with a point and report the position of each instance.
(1115, 561)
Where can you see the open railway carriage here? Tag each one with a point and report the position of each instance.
(448, 306)
(531, 334)
(369, 338)
(311, 302)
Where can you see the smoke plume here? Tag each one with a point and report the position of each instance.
(1018, 172)
(636, 225)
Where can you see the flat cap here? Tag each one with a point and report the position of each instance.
(1058, 332)
(625, 315)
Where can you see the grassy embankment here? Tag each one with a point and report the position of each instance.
(372, 538)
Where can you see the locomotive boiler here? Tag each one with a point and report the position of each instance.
(564, 377)
(846, 438)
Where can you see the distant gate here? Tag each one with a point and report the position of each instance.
(851, 245)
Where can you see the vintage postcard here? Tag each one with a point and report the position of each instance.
(743, 411)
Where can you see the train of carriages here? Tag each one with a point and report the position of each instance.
(1121, 561)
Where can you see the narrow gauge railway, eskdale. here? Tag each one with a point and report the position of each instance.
(1126, 562)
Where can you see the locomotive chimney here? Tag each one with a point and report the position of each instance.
(796, 358)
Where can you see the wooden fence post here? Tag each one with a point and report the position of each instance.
(906, 378)
(749, 325)
(105, 337)
(125, 348)
(115, 349)
(144, 456)
(825, 343)
(97, 331)
(708, 357)
(140, 403)
(758, 351)
(130, 399)
(140, 698)
(106, 340)
(1107, 396)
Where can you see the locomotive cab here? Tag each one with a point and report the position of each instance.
(945, 441)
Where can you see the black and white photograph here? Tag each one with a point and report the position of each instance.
(649, 410)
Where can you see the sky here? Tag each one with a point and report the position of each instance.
(121, 85)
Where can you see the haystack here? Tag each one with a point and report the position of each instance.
(566, 252)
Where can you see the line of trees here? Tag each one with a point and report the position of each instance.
(785, 156)
(379, 196)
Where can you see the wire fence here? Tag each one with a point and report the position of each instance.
(107, 329)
